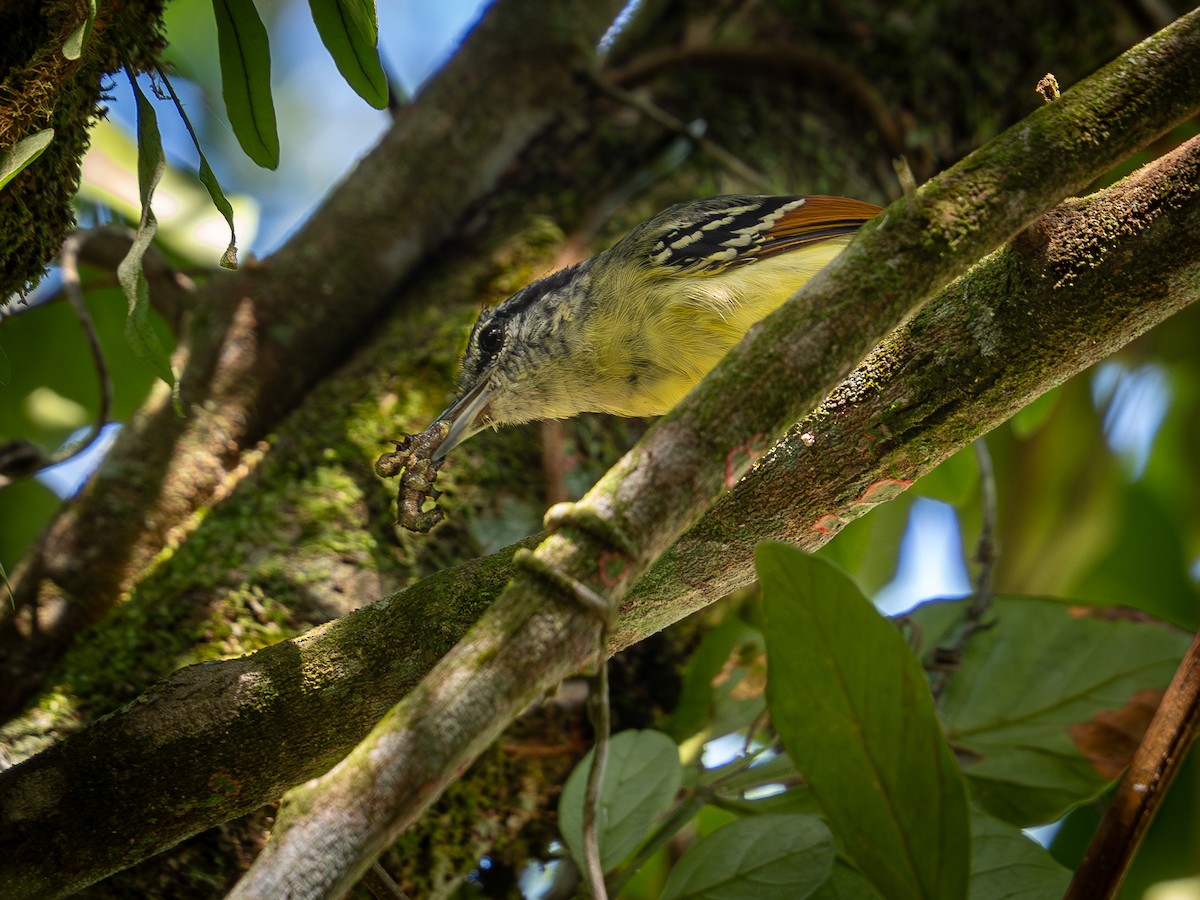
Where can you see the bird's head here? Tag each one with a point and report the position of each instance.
(520, 358)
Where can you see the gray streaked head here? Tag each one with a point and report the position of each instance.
(507, 368)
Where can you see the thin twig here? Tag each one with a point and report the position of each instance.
(760, 721)
(1157, 761)
(69, 260)
(381, 885)
(985, 558)
(904, 175)
(986, 550)
(695, 134)
(796, 63)
(601, 717)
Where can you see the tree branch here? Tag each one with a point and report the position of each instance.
(1158, 759)
(330, 830)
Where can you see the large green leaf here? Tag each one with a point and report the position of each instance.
(764, 857)
(349, 31)
(641, 780)
(246, 79)
(1039, 693)
(1006, 865)
(853, 707)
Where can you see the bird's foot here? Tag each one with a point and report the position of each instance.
(592, 602)
(591, 523)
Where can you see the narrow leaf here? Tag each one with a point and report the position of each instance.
(768, 857)
(640, 782)
(1006, 865)
(78, 38)
(208, 178)
(14, 159)
(139, 329)
(853, 707)
(1043, 695)
(349, 30)
(246, 79)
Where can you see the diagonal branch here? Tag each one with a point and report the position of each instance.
(330, 830)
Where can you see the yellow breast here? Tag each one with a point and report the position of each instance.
(656, 337)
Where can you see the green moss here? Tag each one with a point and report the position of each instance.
(41, 89)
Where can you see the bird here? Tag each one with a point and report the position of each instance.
(631, 330)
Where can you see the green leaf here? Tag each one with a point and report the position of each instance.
(1146, 561)
(853, 707)
(764, 857)
(78, 38)
(14, 160)
(720, 694)
(1022, 707)
(348, 29)
(640, 782)
(5, 368)
(139, 329)
(1006, 865)
(208, 178)
(845, 884)
(246, 79)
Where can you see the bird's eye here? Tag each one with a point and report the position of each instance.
(491, 338)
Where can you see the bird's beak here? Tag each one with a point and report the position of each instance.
(462, 417)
